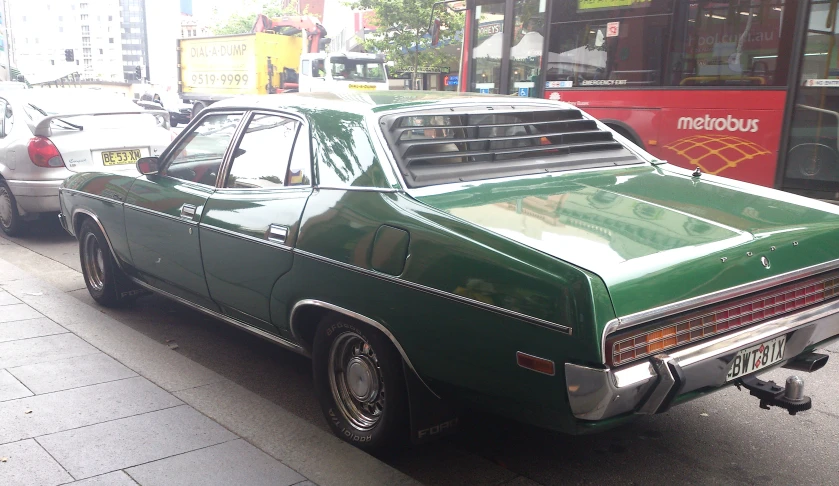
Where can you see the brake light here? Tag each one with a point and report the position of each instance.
(43, 153)
(734, 314)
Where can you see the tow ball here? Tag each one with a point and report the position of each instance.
(791, 398)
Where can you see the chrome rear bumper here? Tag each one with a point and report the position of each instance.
(650, 386)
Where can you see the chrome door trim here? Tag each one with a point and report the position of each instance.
(359, 317)
(277, 233)
(457, 298)
(252, 239)
(229, 320)
(160, 214)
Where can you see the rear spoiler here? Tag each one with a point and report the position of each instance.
(44, 126)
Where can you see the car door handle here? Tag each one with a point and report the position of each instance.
(188, 211)
(277, 233)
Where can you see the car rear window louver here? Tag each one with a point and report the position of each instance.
(443, 146)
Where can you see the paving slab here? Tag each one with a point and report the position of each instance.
(17, 312)
(7, 299)
(28, 464)
(116, 478)
(70, 409)
(154, 360)
(29, 328)
(11, 388)
(234, 462)
(64, 374)
(105, 447)
(314, 453)
(43, 349)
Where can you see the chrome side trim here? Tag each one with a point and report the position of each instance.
(87, 194)
(229, 320)
(720, 295)
(457, 298)
(252, 239)
(358, 317)
(359, 189)
(162, 215)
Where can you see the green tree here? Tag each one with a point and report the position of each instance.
(401, 28)
(242, 23)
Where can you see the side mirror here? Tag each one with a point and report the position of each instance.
(148, 165)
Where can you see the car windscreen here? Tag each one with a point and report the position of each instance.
(357, 70)
(457, 144)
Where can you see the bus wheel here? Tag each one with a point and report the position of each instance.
(809, 160)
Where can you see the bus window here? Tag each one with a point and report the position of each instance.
(623, 46)
(733, 44)
(526, 47)
(486, 74)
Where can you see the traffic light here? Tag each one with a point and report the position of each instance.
(69, 55)
(138, 72)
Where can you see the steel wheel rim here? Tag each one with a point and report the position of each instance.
(355, 380)
(5, 208)
(94, 262)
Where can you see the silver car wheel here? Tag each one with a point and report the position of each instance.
(355, 380)
(5, 208)
(94, 262)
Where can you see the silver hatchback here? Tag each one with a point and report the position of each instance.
(48, 135)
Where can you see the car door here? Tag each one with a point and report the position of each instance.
(162, 210)
(250, 222)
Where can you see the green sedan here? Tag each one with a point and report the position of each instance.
(434, 253)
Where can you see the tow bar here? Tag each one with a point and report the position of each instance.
(791, 398)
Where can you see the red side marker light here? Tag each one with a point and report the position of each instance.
(535, 363)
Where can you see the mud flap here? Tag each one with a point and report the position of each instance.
(431, 417)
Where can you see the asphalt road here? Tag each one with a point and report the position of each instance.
(724, 438)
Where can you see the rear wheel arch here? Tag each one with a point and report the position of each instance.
(625, 130)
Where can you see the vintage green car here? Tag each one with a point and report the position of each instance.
(434, 253)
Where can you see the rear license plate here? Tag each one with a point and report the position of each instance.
(757, 357)
(120, 157)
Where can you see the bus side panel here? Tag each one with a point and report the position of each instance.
(730, 133)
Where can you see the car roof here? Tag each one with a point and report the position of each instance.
(375, 102)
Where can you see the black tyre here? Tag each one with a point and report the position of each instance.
(173, 124)
(10, 221)
(101, 273)
(360, 385)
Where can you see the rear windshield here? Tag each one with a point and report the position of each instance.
(67, 101)
(465, 144)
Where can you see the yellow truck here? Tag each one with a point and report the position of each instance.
(215, 68)
(272, 59)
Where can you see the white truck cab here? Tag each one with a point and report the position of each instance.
(342, 71)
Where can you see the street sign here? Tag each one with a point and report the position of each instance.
(524, 92)
(451, 80)
(483, 90)
(612, 29)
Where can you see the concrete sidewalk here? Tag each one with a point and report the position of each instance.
(86, 400)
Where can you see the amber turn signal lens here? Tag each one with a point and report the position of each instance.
(535, 363)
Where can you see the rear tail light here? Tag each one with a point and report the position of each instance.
(43, 153)
(726, 316)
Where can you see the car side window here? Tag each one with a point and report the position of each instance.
(199, 155)
(300, 167)
(261, 158)
(8, 118)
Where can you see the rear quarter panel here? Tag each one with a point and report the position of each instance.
(435, 307)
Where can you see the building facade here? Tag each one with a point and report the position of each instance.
(135, 52)
(56, 38)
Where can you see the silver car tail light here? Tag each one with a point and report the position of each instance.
(43, 153)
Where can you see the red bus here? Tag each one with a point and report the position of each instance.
(747, 89)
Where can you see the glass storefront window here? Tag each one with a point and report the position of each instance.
(486, 56)
(527, 44)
